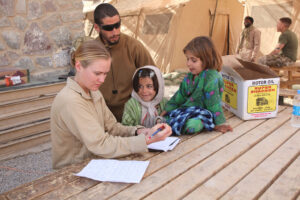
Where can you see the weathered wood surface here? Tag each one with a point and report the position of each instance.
(289, 178)
(23, 143)
(34, 91)
(291, 79)
(24, 131)
(24, 116)
(24, 104)
(259, 159)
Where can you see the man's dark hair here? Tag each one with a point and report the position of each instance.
(104, 10)
(250, 19)
(286, 21)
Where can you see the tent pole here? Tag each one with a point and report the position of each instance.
(213, 22)
(90, 33)
(228, 35)
(137, 24)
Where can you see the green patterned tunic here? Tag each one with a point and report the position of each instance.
(205, 91)
(133, 111)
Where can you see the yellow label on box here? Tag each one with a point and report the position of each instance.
(262, 98)
(230, 93)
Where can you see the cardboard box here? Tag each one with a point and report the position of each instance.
(251, 90)
(13, 72)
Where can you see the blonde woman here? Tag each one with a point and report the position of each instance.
(82, 126)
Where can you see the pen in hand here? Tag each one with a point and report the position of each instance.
(159, 129)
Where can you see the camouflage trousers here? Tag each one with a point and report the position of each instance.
(275, 60)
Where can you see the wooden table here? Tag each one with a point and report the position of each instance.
(291, 78)
(259, 159)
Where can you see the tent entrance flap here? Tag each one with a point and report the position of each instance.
(220, 34)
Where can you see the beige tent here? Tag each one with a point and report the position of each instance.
(166, 26)
(266, 14)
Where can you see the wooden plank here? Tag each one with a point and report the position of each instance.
(24, 143)
(291, 82)
(170, 172)
(24, 131)
(287, 92)
(252, 186)
(78, 184)
(52, 181)
(59, 179)
(161, 159)
(190, 145)
(290, 179)
(25, 104)
(294, 68)
(219, 184)
(2, 197)
(205, 165)
(22, 112)
(227, 113)
(65, 190)
(18, 119)
(30, 91)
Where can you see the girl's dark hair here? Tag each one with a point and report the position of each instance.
(142, 73)
(203, 48)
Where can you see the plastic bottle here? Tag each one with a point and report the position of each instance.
(295, 121)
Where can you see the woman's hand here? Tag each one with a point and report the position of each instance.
(223, 128)
(161, 135)
(143, 131)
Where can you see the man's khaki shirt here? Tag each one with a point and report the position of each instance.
(128, 55)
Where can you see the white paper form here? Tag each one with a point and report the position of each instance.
(168, 144)
(115, 170)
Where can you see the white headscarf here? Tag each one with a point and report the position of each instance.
(149, 111)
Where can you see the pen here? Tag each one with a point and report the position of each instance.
(173, 142)
(159, 129)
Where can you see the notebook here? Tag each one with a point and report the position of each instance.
(166, 145)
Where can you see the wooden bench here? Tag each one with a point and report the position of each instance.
(25, 116)
(291, 78)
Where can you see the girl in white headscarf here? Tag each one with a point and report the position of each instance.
(147, 98)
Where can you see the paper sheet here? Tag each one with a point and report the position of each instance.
(114, 170)
(166, 145)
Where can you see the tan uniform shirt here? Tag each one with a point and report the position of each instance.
(128, 55)
(250, 48)
(83, 126)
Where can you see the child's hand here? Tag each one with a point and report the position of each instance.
(161, 135)
(223, 128)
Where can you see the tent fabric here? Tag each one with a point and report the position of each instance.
(166, 26)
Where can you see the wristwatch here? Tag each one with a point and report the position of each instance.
(139, 127)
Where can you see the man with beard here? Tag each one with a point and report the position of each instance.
(285, 53)
(249, 43)
(127, 54)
